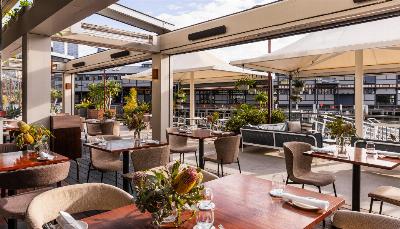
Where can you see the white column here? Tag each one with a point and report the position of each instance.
(192, 99)
(68, 93)
(359, 93)
(161, 98)
(36, 79)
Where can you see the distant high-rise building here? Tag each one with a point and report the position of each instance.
(65, 48)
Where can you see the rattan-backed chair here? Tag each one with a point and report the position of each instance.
(103, 161)
(226, 152)
(298, 167)
(358, 220)
(74, 199)
(14, 207)
(6, 148)
(145, 159)
(386, 194)
(179, 145)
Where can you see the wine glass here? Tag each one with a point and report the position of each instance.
(204, 218)
(278, 185)
(208, 195)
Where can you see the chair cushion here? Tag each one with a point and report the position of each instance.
(184, 149)
(108, 165)
(294, 126)
(14, 207)
(317, 179)
(387, 194)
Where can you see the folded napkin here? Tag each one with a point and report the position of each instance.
(323, 150)
(45, 155)
(389, 154)
(322, 204)
(66, 221)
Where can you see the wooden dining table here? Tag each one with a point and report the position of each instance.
(241, 201)
(123, 146)
(201, 135)
(358, 157)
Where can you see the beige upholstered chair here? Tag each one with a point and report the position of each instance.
(178, 144)
(93, 128)
(298, 167)
(149, 158)
(386, 194)
(227, 152)
(104, 161)
(14, 207)
(74, 199)
(357, 220)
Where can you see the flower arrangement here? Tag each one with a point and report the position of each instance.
(31, 135)
(136, 123)
(168, 191)
(212, 119)
(340, 129)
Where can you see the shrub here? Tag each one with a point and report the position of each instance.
(278, 116)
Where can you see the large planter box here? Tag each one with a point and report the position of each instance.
(95, 114)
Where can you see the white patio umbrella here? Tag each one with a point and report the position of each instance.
(368, 47)
(202, 67)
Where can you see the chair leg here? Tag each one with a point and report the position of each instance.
(183, 158)
(77, 170)
(195, 156)
(302, 186)
(240, 170)
(323, 223)
(116, 179)
(370, 205)
(287, 179)
(59, 184)
(319, 189)
(88, 172)
(380, 208)
(222, 170)
(334, 189)
(3, 193)
(218, 169)
(101, 179)
(130, 185)
(180, 158)
(12, 224)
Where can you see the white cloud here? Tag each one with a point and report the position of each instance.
(218, 8)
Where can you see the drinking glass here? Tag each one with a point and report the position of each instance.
(208, 196)
(370, 146)
(278, 184)
(205, 218)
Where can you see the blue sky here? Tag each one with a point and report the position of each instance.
(182, 13)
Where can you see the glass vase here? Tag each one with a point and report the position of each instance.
(341, 146)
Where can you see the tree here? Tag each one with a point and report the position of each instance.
(131, 102)
(96, 93)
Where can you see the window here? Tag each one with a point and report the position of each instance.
(369, 79)
(385, 99)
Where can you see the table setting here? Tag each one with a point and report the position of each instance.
(297, 201)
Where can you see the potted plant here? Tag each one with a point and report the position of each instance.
(101, 98)
(245, 115)
(278, 116)
(296, 98)
(83, 107)
(244, 84)
(341, 130)
(298, 86)
(180, 96)
(25, 5)
(168, 192)
(261, 98)
(109, 114)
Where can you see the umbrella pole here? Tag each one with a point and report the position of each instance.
(290, 94)
(105, 89)
(270, 98)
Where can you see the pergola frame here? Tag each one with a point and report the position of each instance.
(279, 19)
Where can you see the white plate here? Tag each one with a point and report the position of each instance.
(274, 193)
(304, 206)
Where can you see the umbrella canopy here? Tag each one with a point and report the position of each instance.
(206, 68)
(332, 51)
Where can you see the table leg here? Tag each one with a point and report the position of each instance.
(201, 153)
(355, 205)
(125, 170)
(12, 223)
